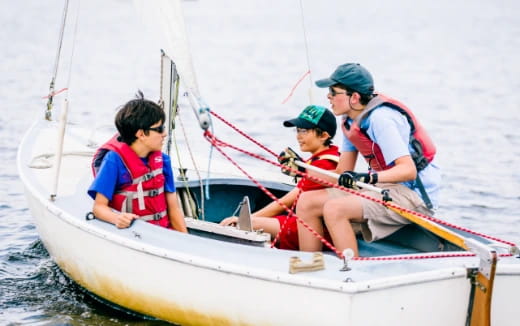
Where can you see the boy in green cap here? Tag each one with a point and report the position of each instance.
(315, 129)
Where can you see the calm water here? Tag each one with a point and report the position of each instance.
(455, 62)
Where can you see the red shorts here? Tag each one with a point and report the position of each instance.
(288, 237)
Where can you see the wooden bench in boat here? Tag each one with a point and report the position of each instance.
(243, 233)
(227, 233)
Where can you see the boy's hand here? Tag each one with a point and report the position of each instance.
(124, 220)
(288, 158)
(348, 179)
(229, 221)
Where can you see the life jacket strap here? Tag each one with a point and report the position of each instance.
(153, 217)
(139, 194)
(148, 176)
(424, 194)
(330, 157)
(134, 194)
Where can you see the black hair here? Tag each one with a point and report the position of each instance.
(320, 132)
(138, 113)
(363, 98)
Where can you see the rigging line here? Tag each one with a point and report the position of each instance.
(73, 46)
(57, 60)
(289, 215)
(306, 42)
(60, 41)
(396, 208)
(387, 204)
(174, 113)
(308, 72)
(216, 142)
(209, 162)
(197, 171)
(243, 133)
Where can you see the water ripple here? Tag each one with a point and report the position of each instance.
(246, 68)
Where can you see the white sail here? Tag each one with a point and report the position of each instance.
(166, 22)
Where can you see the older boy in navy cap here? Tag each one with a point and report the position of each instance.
(399, 153)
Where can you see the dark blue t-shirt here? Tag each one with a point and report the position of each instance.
(113, 175)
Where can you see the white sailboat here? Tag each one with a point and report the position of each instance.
(427, 274)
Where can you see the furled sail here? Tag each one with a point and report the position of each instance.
(166, 22)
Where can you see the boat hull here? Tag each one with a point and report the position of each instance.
(208, 294)
(189, 280)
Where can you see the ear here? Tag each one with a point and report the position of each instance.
(355, 96)
(324, 136)
(139, 134)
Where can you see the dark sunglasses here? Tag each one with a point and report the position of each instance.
(334, 92)
(159, 129)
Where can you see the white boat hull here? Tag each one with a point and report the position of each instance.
(191, 280)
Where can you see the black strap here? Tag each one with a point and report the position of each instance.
(424, 195)
(89, 216)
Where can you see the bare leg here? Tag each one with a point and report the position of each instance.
(338, 213)
(268, 224)
(310, 210)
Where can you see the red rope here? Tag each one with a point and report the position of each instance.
(430, 256)
(243, 133)
(295, 86)
(282, 227)
(390, 204)
(218, 143)
(54, 93)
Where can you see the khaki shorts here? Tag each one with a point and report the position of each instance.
(380, 221)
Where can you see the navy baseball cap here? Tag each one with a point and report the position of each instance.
(314, 116)
(353, 76)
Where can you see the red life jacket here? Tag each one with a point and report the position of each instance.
(320, 160)
(419, 139)
(145, 195)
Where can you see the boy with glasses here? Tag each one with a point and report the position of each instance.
(133, 178)
(400, 155)
(315, 129)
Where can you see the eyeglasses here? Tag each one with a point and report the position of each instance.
(334, 92)
(302, 131)
(159, 129)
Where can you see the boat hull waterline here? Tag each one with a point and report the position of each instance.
(190, 280)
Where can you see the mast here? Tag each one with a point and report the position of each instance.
(169, 96)
(50, 97)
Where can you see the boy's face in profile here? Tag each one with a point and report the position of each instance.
(155, 138)
(310, 141)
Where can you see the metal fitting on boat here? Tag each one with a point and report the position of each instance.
(348, 254)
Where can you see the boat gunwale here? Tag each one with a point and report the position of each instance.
(229, 267)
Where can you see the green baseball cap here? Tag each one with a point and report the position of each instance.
(314, 116)
(353, 76)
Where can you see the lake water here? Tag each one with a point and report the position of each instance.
(454, 62)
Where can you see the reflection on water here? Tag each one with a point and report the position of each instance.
(453, 62)
(35, 291)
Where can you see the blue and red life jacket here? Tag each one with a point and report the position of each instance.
(145, 195)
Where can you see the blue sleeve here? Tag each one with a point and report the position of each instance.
(169, 183)
(112, 175)
(391, 131)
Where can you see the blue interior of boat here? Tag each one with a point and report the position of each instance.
(225, 196)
